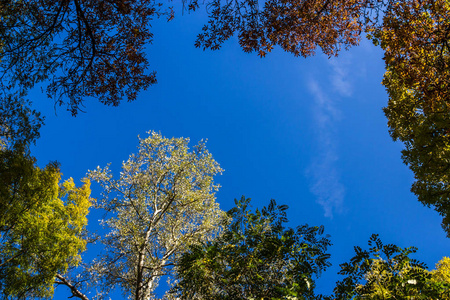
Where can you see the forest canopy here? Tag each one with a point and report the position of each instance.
(92, 49)
(161, 215)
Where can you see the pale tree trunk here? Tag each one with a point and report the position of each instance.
(73, 289)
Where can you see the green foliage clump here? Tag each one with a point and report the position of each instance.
(255, 257)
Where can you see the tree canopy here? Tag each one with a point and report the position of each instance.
(386, 271)
(415, 38)
(96, 49)
(19, 124)
(92, 49)
(162, 220)
(42, 220)
(82, 48)
(162, 202)
(161, 210)
(41, 225)
(255, 257)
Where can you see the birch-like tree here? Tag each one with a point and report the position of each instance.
(162, 202)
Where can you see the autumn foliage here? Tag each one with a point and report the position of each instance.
(81, 48)
(415, 36)
(298, 27)
(163, 203)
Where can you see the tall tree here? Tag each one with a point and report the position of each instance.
(41, 225)
(415, 37)
(387, 272)
(162, 202)
(42, 221)
(256, 257)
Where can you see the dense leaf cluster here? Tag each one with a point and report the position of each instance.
(162, 202)
(387, 272)
(415, 36)
(41, 225)
(256, 257)
(297, 26)
(42, 221)
(82, 48)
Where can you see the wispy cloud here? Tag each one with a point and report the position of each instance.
(340, 78)
(325, 177)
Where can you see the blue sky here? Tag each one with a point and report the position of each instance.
(309, 133)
